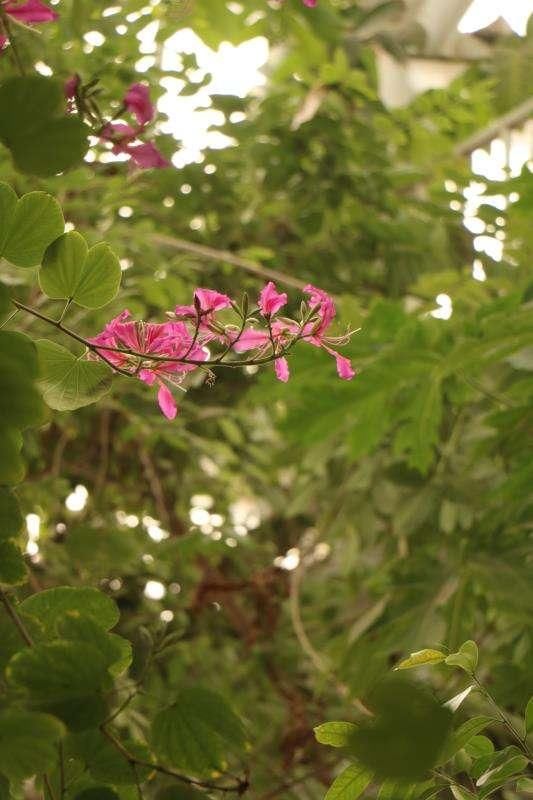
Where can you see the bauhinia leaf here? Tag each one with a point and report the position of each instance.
(68, 381)
(71, 271)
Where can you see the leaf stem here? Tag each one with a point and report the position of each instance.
(16, 620)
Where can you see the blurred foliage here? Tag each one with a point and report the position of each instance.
(302, 538)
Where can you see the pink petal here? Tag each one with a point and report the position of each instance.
(33, 11)
(147, 156)
(310, 3)
(211, 300)
(167, 404)
(137, 101)
(344, 367)
(326, 306)
(71, 87)
(281, 367)
(185, 311)
(250, 340)
(4, 41)
(270, 300)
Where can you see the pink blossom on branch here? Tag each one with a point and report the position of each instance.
(126, 138)
(163, 354)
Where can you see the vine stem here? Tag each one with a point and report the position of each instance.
(502, 717)
(16, 620)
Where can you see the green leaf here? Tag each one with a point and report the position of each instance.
(12, 466)
(36, 222)
(529, 717)
(20, 402)
(350, 784)
(335, 734)
(479, 746)
(406, 736)
(103, 760)
(43, 139)
(69, 382)
(180, 793)
(4, 789)
(28, 743)
(460, 737)
(192, 734)
(460, 793)
(8, 202)
(90, 278)
(10, 515)
(496, 777)
(64, 678)
(466, 658)
(422, 658)
(12, 566)
(525, 785)
(116, 650)
(97, 793)
(52, 605)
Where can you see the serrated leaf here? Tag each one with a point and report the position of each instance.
(350, 784)
(460, 737)
(69, 382)
(37, 220)
(116, 650)
(10, 515)
(466, 657)
(334, 734)
(422, 658)
(51, 606)
(43, 140)
(28, 743)
(70, 270)
(64, 678)
(194, 733)
(103, 760)
(12, 566)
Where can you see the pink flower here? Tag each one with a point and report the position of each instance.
(146, 156)
(137, 101)
(270, 300)
(30, 12)
(208, 302)
(310, 3)
(171, 339)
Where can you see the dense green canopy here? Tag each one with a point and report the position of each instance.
(184, 601)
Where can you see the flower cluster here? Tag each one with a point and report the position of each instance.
(125, 138)
(32, 12)
(162, 354)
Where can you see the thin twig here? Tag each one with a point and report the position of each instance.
(230, 258)
(240, 786)
(17, 622)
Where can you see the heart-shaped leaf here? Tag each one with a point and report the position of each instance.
(71, 271)
(69, 381)
(29, 227)
(42, 137)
